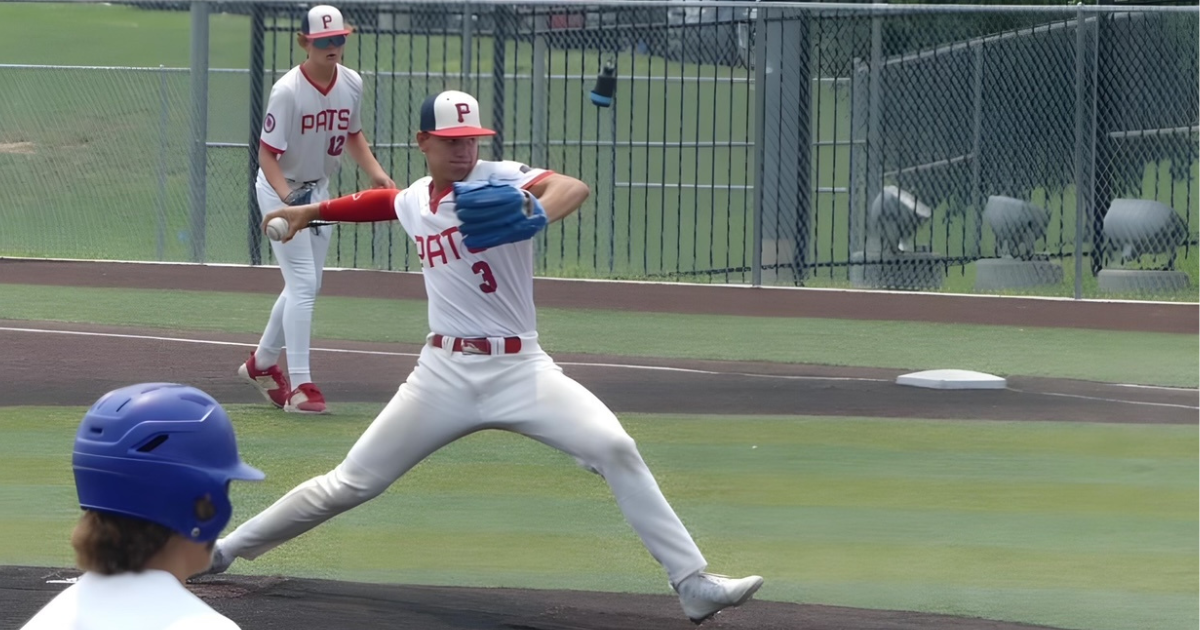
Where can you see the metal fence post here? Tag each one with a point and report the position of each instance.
(198, 150)
(257, 35)
(874, 183)
(856, 233)
(499, 49)
(539, 122)
(974, 248)
(1080, 209)
(163, 107)
(1085, 155)
(612, 188)
(1101, 185)
(468, 46)
(786, 144)
(760, 133)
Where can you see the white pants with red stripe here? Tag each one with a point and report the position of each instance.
(302, 261)
(450, 395)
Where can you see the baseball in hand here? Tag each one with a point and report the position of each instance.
(277, 228)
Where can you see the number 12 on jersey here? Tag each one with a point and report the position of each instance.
(336, 144)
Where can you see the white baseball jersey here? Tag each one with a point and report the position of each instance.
(150, 600)
(486, 293)
(308, 126)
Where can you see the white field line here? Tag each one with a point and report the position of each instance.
(1110, 400)
(214, 342)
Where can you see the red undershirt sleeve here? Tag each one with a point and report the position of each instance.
(363, 207)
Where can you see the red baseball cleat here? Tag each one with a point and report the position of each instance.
(270, 382)
(305, 399)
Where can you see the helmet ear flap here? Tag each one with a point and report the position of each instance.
(211, 512)
(204, 508)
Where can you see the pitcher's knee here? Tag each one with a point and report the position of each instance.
(346, 488)
(617, 450)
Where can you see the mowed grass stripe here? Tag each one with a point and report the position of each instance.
(497, 509)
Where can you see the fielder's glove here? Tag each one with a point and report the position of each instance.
(300, 196)
(495, 213)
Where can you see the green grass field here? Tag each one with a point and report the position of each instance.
(1071, 525)
(92, 169)
(1142, 358)
(1068, 525)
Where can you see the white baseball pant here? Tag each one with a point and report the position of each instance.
(450, 395)
(302, 261)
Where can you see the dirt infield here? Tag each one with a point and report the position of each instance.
(300, 604)
(91, 360)
(56, 364)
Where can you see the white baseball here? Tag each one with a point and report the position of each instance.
(277, 228)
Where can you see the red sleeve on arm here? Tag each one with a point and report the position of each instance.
(364, 207)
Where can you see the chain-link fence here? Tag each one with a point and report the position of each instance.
(1058, 148)
(988, 149)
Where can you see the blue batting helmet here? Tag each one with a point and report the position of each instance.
(157, 451)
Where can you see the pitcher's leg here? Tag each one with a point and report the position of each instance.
(270, 346)
(565, 415)
(407, 431)
(300, 276)
(321, 245)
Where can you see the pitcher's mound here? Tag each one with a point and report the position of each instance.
(262, 602)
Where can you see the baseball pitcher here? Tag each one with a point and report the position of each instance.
(482, 368)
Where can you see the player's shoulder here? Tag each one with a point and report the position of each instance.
(209, 620)
(291, 77)
(512, 169)
(288, 81)
(350, 76)
(59, 612)
(412, 192)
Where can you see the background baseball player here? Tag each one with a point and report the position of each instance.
(152, 466)
(482, 367)
(313, 117)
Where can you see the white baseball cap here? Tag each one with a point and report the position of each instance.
(324, 21)
(452, 114)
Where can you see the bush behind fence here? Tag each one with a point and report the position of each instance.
(994, 150)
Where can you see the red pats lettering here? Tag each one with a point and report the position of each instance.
(326, 20)
(463, 110)
(326, 120)
(433, 249)
(449, 234)
(420, 247)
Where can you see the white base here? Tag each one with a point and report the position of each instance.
(952, 379)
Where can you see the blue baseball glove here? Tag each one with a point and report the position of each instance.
(300, 196)
(303, 196)
(494, 213)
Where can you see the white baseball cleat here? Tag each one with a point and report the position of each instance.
(220, 562)
(706, 594)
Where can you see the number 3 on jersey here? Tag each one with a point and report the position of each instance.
(489, 281)
(336, 144)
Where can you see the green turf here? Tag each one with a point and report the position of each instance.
(1142, 358)
(1064, 524)
(129, 196)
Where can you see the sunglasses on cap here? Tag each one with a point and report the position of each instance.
(329, 42)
